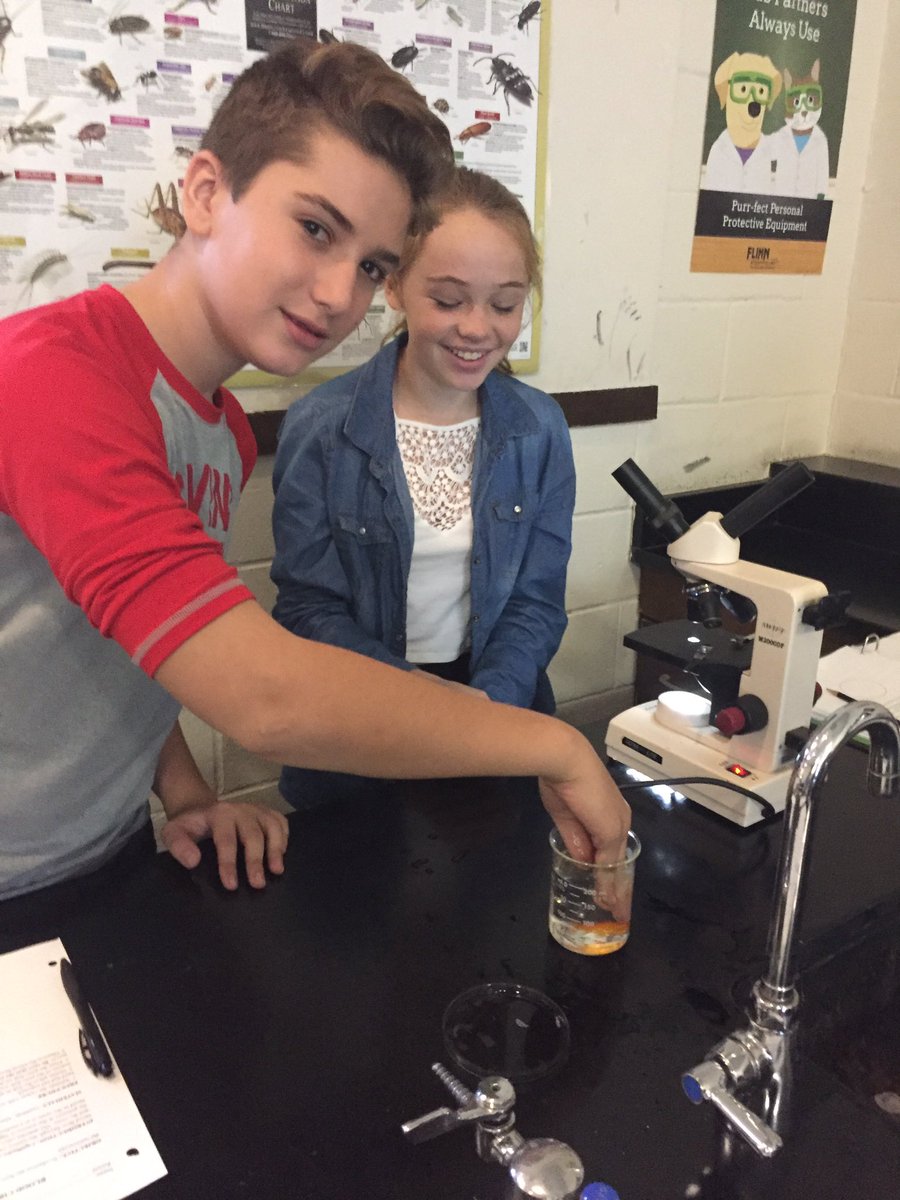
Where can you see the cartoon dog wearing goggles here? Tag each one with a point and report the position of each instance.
(739, 159)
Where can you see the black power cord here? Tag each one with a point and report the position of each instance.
(767, 808)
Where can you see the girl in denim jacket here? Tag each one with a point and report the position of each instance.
(423, 502)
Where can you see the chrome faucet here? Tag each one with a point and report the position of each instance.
(760, 1052)
(539, 1167)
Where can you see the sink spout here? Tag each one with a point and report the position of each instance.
(760, 1052)
(775, 995)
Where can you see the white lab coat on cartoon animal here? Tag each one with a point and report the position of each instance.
(802, 173)
(726, 172)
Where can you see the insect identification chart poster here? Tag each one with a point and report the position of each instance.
(777, 92)
(101, 107)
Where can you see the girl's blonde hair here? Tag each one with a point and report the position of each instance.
(473, 190)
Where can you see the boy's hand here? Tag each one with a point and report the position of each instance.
(588, 810)
(261, 831)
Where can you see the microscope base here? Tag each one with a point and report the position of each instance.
(637, 740)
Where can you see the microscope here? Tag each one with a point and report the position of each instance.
(738, 729)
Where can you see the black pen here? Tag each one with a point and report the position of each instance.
(94, 1050)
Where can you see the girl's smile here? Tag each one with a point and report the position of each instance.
(463, 299)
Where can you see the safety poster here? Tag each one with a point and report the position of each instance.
(775, 114)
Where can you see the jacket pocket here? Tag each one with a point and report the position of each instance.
(514, 510)
(358, 531)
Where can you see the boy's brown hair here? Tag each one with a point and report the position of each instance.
(301, 88)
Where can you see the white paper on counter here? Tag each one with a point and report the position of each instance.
(64, 1132)
(867, 672)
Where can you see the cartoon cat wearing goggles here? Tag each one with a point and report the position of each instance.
(800, 148)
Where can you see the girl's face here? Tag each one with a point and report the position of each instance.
(463, 299)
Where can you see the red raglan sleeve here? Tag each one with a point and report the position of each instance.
(84, 474)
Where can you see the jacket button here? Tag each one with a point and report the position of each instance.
(362, 529)
(476, 617)
(475, 562)
(518, 508)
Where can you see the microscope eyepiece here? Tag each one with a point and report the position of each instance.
(663, 514)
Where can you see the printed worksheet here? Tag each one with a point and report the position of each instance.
(64, 1131)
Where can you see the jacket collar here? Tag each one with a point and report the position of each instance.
(370, 420)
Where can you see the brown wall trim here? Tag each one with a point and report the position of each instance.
(606, 406)
(609, 406)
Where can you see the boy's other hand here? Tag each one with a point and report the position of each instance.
(261, 831)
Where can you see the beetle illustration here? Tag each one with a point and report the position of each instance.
(529, 13)
(148, 77)
(173, 32)
(102, 79)
(327, 38)
(511, 79)
(441, 105)
(165, 211)
(129, 24)
(31, 132)
(403, 58)
(93, 132)
(478, 129)
(454, 15)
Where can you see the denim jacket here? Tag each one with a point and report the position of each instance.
(343, 523)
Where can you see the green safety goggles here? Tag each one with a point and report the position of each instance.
(745, 86)
(812, 92)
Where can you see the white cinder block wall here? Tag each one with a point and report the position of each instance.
(749, 369)
(865, 422)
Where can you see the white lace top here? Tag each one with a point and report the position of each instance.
(437, 461)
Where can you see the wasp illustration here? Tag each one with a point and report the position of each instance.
(102, 79)
(529, 13)
(511, 79)
(404, 57)
(148, 77)
(479, 129)
(172, 32)
(93, 132)
(32, 132)
(165, 211)
(454, 15)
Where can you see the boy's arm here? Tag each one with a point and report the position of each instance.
(305, 704)
(195, 812)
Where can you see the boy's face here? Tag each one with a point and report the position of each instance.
(290, 268)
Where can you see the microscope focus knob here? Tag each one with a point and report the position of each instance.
(746, 715)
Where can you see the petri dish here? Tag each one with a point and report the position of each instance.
(507, 1029)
